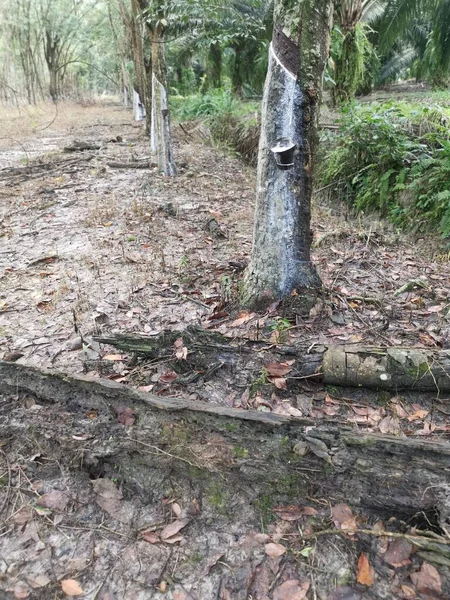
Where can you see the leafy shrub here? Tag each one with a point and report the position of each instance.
(393, 159)
(233, 123)
(215, 102)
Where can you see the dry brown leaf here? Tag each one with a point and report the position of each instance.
(400, 411)
(176, 509)
(174, 539)
(274, 550)
(331, 410)
(398, 553)
(150, 536)
(71, 587)
(418, 415)
(389, 425)
(291, 590)
(38, 581)
(56, 500)
(173, 528)
(293, 512)
(345, 593)
(427, 580)
(407, 591)
(23, 515)
(427, 428)
(278, 369)
(181, 351)
(21, 591)
(262, 538)
(168, 377)
(113, 357)
(278, 382)
(242, 318)
(343, 517)
(365, 573)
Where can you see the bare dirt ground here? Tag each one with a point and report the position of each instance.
(89, 248)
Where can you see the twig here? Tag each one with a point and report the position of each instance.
(414, 539)
(8, 486)
(166, 453)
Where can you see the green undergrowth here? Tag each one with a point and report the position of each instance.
(233, 123)
(393, 159)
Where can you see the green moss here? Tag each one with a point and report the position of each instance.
(384, 397)
(233, 427)
(218, 496)
(419, 371)
(258, 383)
(176, 434)
(291, 486)
(240, 452)
(264, 506)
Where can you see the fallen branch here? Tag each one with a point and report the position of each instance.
(131, 165)
(246, 448)
(81, 147)
(372, 367)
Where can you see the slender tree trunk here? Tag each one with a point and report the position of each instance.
(215, 55)
(280, 264)
(140, 85)
(161, 133)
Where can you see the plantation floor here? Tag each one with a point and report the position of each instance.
(88, 248)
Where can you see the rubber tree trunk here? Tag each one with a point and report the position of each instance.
(280, 264)
(140, 99)
(161, 133)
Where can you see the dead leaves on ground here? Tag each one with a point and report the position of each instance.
(427, 581)
(292, 589)
(274, 550)
(71, 587)
(398, 553)
(365, 575)
(276, 373)
(293, 512)
(169, 534)
(343, 517)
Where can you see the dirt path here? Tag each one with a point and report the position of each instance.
(85, 245)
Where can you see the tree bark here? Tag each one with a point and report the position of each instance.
(140, 100)
(271, 456)
(280, 263)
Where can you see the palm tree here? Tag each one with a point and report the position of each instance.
(351, 46)
(419, 31)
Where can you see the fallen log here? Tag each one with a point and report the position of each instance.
(379, 368)
(271, 456)
(131, 165)
(77, 146)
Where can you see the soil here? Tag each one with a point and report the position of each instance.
(87, 249)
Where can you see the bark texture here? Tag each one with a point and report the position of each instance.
(271, 456)
(280, 260)
(141, 96)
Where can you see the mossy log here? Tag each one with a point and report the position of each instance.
(380, 368)
(270, 456)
